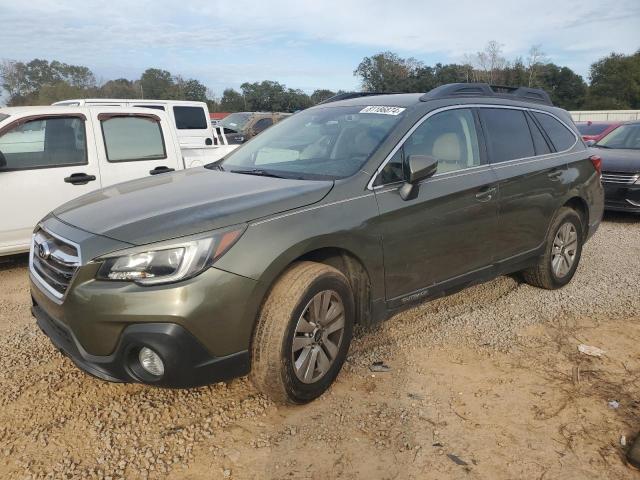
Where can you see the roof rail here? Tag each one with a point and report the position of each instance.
(349, 95)
(486, 90)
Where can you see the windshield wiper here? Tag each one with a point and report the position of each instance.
(259, 172)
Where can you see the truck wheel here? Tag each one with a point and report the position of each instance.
(303, 333)
(563, 248)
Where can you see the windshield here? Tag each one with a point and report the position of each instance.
(3, 116)
(319, 143)
(625, 136)
(235, 121)
(592, 128)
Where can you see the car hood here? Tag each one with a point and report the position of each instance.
(191, 201)
(619, 160)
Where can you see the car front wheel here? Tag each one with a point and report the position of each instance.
(303, 333)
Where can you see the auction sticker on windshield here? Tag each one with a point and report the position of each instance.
(383, 110)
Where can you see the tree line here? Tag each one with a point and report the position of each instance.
(615, 82)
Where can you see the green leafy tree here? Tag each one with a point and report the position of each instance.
(615, 82)
(191, 90)
(120, 88)
(387, 72)
(157, 84)
(232, 101)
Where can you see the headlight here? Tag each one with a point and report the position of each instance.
(168, 262)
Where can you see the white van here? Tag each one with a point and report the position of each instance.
(191, 119)
(50, 155)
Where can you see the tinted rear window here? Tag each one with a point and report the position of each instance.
(508, 134)
(539, 142)
(190, 118)
(561, 137)
(593, 129)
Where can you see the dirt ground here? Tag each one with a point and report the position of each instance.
(485, 384)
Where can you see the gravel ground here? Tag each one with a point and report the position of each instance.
(486, 383)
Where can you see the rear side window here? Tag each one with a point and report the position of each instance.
(539, 142)
(190, 118)
(508, 135)
(42, 143)
(561, 137)
(133, 139)
(262, 124)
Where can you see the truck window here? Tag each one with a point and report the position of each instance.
(190, 118)
(42, 143)
(128, 139)
(508, 134)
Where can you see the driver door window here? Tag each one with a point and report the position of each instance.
(450, 137)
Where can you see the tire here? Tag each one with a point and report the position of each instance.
(289, 314)
(554, 269)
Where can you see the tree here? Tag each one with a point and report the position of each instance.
(191, 90)
(615, 82)
(566, 88)
(387, 72)
(232, 101)
(120, 88)
(157, 84)
(535, 59)
(13, 78)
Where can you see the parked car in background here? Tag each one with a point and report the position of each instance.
(596, 130)
(620, 153)
(241, 126)
(345, 213)
(50, 155)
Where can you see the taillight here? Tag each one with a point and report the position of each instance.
(597, 163)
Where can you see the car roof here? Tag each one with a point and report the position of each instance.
(53, 109)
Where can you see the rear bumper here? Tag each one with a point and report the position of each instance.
(187, 362)
(623, 198)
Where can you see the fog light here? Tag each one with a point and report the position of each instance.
(151, 362)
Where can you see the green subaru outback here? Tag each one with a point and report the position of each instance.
(342, 214)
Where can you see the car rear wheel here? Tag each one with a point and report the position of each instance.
(303, 333)
(563, 248)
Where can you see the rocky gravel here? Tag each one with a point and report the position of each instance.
(57, 422)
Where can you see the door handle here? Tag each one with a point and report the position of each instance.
(161, 169)
(486, 194)
(554, 174)
(79, 179)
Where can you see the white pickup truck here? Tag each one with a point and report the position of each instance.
(50, 155)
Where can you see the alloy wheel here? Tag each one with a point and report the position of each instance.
(318, 336)
(564, 249)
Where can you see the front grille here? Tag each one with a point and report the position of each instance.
(53, 261)
(620, 177)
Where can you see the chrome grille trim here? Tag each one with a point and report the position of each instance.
(620, 177)
(56, 268)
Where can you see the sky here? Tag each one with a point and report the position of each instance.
(305, 44)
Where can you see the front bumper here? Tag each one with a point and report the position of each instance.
(187, 362)
(624, 198)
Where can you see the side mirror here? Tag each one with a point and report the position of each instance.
(591, 143)
(418, 168)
